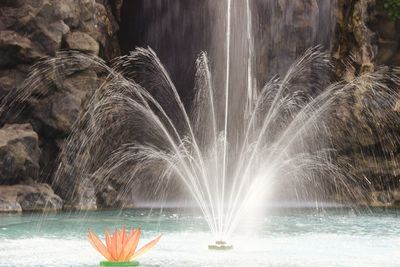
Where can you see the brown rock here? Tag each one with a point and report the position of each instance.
(109, 197)
(106, 28)
(83, 198)
(19, 154)
(15, 49)
(35, 197)
(9, 80)
(29, 30)
(48, 37)
(396, 197)
(9, 205)
(62, 105)
(82, 41)
(380, 199)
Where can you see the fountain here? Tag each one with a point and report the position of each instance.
(229, 152)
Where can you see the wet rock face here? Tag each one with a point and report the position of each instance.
(108, 197)
(366, 36)
(7, 205)
(387, 36)
(33, 29)
(114, 197)
(44, 24)
(19, 154)
(367, 126)
(54, 112)
(354, 40)
(35, 197)
(82, 41)
(30, 30)
(382, 198)
(83, 197)
(14, 48)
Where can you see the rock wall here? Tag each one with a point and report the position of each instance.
(368, 123)
(31, 141)
(19, 151)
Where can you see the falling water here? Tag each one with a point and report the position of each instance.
(281, 141)
(230, 152)
(227, 67)
(251, 91)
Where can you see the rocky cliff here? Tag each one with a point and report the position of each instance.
(32, 136)
(368, 124)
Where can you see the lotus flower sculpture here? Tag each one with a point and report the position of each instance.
(120, 248)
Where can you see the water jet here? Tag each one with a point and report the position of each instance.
(226, 151)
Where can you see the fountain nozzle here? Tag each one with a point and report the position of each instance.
(220, 245)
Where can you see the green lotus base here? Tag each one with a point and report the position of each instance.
(220, 245)
(119, 264)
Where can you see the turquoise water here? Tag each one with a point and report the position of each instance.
(285, 237)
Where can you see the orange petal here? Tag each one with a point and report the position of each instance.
(134, 244)
(119, 245)
(123, 235)
(99, 246)
(132, 232)
(108, 240)
(113, 249)
(146, 247)
(130, 247)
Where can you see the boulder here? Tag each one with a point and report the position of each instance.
(55, 113)
(35, 197)
(81, 196)
(15, 49)
(81, 41)
(8, 204)
(38, 27)
(19, 154)
(383, 198)
(115, 197)
(10, 79)
(396, 197)
(38, 22)
(108, 197)
(106, 28)
(30, 30)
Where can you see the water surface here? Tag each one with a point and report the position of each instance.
(283, 237)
